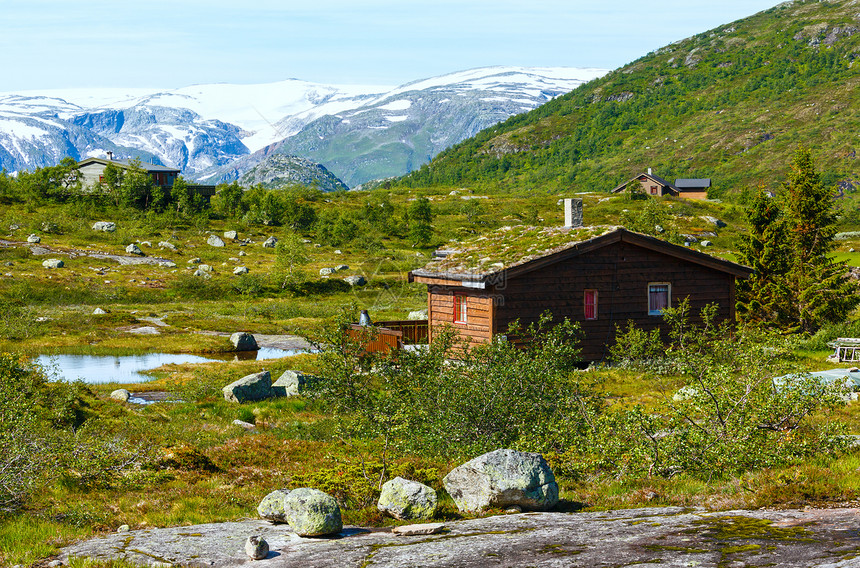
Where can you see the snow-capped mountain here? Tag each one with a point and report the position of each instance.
(218, 132)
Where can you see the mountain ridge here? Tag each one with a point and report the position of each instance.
(217, 132)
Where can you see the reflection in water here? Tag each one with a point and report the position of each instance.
(109, 369)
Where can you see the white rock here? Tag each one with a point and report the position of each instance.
(121, 395)
(98, 312)
(106, 226)
(239, 270)
(53, 263)
(420, 529)
(34, 239)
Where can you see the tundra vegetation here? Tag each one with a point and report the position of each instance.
(692, 418)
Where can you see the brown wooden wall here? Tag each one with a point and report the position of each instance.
(440, 311)
(620, 272)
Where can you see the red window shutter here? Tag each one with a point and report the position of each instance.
(590, 301)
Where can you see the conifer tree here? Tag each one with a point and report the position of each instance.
(797, 284)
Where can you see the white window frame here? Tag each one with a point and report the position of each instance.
(668, 286)
(461, 301)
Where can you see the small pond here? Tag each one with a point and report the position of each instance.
(96, 369)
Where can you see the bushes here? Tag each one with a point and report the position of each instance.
(731, 417)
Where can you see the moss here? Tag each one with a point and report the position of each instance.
(740, 527)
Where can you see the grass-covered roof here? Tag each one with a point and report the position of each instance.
(506, 248)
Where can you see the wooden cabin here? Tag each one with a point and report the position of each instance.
(598, 276)
(91, 172)
(693, 188)
(651, 184)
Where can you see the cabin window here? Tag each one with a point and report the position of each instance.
(460, 311)
(653, 190)
(590, 300)
(659, 294)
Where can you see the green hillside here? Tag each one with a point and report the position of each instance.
(730, 104)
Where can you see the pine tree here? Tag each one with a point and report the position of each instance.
(797, 285)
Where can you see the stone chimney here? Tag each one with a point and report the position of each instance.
(649, 171)
(573, 212)
(110, 156)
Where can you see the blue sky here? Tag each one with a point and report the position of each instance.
(159, 43)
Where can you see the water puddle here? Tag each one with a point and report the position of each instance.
(98, 369)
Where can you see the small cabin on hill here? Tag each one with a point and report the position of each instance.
(654, 185)
(694, 188)
(598, 276)
(651, 184)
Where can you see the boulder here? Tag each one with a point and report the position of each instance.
(232, 235)
(53, 263)
(243, 253)
(243, 341)
(713, 221)
(244, 425)
(134, 249)
(272, 506)
(404, 499)
(502, 478)
(121, 395)
(240, 270)
(202, 274)
(167, 245)
(706, 244)
(290, 383)
(256, 547)
(195, 260)
(205, 268)
(355, 280)
(106, 226)
(417, 315)
(34, 239)
(98, 312)
(310, 512)
(167, 264)
(271, 243)
(249, 388)
(214, 241)
(327, 271)
(341, 267)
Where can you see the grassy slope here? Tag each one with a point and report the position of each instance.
(729, 104)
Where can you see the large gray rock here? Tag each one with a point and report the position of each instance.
(106, 226)
(404, 499)
(249, 388)
(214, 241)
(232, 235)
(167, 245)
(327, 271)
(310, 512)
(273, 506)
(134, 249)
(355, 280)
(290, 383)
(34, 239)
(502, 478)
(240, 270)
(271, 242)
(53, 263)
(121, 395)
(243, 341)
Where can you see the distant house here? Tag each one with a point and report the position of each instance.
(657, 186)
(91, 171)
(651, 184)
(598, 276)
(696, 188)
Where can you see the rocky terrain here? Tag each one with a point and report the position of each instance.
(670, 536)
(278, 170)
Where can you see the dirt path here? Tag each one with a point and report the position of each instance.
(40, 250)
